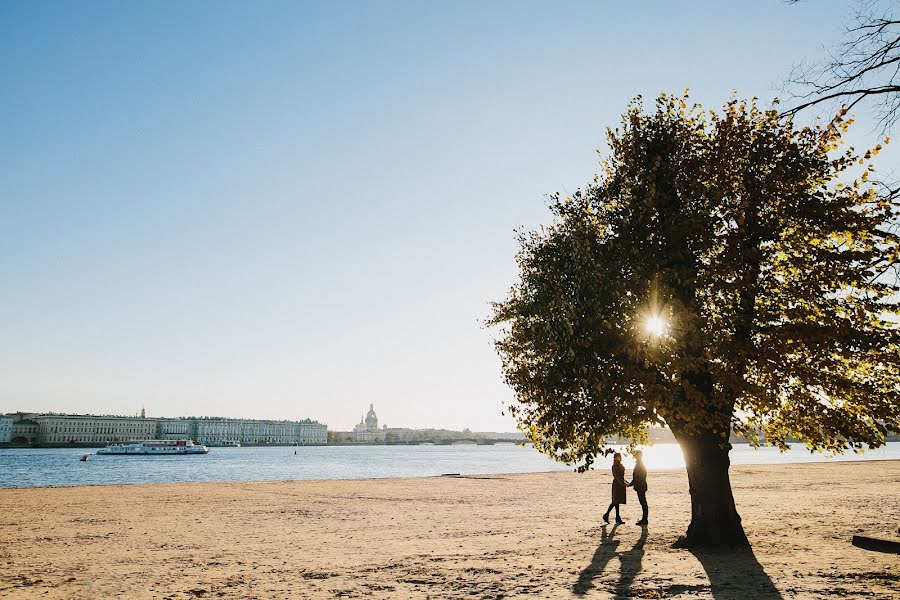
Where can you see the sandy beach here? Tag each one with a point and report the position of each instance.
(499, 536)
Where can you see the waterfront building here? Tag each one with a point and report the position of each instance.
(283, 432)
(311, 432)
(25, 431)
(6, 425)
(216, 431)
(174, 429)
(367, 430)
(92, 429)
(99, 430)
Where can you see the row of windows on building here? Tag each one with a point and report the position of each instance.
(60, 429)
(100, 429)
(93, 439)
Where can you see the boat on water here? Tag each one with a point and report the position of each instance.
(154, 447)
(223, 443)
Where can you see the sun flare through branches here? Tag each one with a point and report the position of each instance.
(656, 326)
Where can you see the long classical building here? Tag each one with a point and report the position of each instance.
(92, 430)
(217, 431)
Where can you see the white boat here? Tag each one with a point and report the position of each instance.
(154, 447)
(223, 444)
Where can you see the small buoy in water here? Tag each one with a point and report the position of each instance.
(295, 453)
(84, 457)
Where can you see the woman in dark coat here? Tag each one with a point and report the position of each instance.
(618, 489)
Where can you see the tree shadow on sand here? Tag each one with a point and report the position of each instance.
(736, 575)
(733, 574)
(629, 562)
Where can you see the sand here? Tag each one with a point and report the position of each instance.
(536, 535)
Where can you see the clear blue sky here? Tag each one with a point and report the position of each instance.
(288, 210)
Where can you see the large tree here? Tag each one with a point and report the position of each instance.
(724, 273)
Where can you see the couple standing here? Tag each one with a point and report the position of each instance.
(638, 482)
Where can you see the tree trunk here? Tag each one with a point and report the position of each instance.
(714, 518)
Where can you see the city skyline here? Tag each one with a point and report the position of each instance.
(290, 211)
(144, 414)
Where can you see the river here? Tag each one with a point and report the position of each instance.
(31, 467)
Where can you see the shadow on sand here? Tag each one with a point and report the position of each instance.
(736, 575)
(629, 562)
(733, 575)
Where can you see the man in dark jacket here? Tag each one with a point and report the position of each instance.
(639, 483)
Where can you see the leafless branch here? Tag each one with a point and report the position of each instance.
(864, 67)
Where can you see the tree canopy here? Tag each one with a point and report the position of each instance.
(726, 271)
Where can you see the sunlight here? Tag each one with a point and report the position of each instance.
(660, 456)
(656, 326)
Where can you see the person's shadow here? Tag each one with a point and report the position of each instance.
(736, 575)
(630, 562)
(733, 575)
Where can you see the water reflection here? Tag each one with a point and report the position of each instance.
(669, 456)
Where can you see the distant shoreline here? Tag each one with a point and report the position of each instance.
(473, 442)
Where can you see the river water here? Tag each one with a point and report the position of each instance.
(28, 467)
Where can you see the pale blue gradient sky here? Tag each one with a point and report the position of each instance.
(291, 210)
